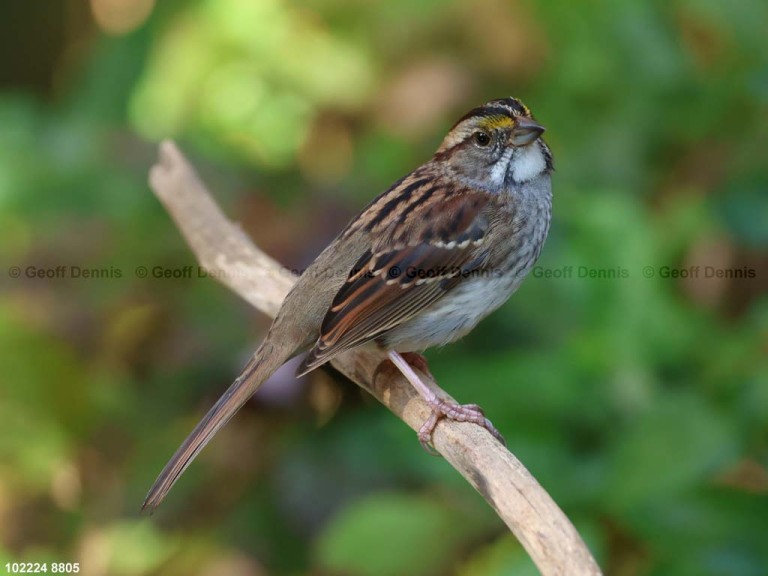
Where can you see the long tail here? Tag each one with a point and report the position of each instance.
(261, 366)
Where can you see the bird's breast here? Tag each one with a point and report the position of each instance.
(514, 247)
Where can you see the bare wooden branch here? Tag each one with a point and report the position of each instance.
(229, 255)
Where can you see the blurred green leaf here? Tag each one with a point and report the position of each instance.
(505, 556)
(399, 534)
(675, 445)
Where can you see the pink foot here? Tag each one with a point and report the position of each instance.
(459, 413)
(440, 408)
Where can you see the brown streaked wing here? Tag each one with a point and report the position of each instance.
(394, 280)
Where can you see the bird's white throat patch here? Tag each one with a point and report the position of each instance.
(499, 170)
(527, 163)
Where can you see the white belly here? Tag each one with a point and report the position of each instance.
(453, 316)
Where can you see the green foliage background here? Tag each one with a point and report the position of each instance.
(640, 401)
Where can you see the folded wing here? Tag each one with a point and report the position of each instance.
(396, 279)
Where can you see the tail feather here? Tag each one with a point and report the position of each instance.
(310, 362)
(259, 368)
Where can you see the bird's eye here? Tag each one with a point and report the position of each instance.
(482, 138)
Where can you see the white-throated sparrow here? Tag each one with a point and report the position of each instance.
(420, 266)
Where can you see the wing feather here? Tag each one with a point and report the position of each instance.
(414, 261)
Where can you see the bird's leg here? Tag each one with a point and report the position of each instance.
(417, 361)
(440, 408)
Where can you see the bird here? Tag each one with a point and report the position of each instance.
(418, 267)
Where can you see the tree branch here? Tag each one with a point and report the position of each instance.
(224, 250)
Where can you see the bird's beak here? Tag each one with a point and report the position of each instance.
(525, 132)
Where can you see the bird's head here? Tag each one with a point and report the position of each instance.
(497, 145)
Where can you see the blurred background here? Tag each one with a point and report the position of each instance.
(629, 373)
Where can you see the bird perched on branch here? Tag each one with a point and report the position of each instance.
(420, 266)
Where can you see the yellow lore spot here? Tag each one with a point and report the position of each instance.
(495, 122)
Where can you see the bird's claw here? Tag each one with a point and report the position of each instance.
(459, 413)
